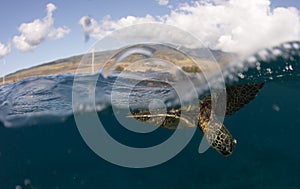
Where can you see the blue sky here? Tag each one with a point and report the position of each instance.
(67, 15)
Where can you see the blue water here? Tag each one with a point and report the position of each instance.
(40, 140)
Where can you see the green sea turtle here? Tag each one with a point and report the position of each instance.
(207, 120)
(215, 132)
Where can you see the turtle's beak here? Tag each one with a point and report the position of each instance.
(234, 141)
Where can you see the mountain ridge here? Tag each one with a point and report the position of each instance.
(71, 64)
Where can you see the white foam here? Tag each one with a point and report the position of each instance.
(296, 45)
(251, 59)
(276, 52)
(287, 46)
(263, 54)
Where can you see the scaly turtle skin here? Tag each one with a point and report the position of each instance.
(215, 132)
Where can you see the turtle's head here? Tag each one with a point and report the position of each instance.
(227, 146)
(219, 138)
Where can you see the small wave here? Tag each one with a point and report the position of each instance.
(272, 64)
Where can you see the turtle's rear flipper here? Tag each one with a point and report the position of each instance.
(169, 120)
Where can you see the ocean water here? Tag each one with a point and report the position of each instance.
(42, 148)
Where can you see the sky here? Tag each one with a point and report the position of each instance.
(35, 32)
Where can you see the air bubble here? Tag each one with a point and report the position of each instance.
(287, 46)
(242, 76)
(269, 71)
(258, 66)
(27, 182)
(286, 68)
(276, 108)
(277, 52)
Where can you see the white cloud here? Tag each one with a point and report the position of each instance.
(58, 33)
(163, 2)
(33, 33)
(4, 49)
(90, 27)
(240, 26)
(98, 30)
(21, 43)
